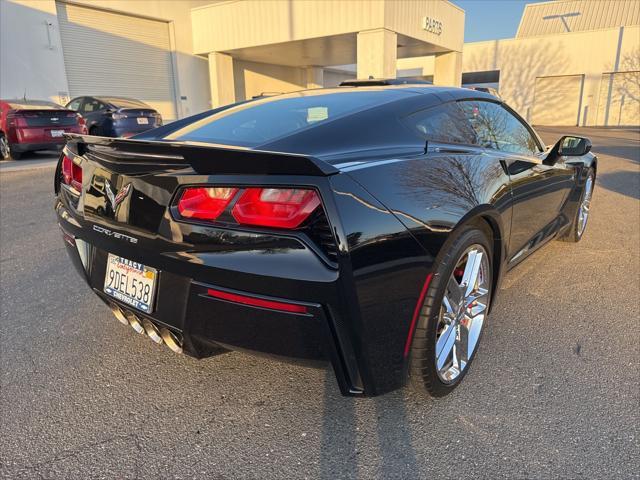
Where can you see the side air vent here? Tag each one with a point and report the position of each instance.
(319, 231)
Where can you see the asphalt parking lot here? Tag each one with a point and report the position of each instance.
(553, 393)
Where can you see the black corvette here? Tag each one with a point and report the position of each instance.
(364, 226)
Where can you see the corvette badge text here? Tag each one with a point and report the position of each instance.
(111, 233)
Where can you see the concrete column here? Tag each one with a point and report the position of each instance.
(315, 77)
(221, 79)
(448, 69)
(377, 53)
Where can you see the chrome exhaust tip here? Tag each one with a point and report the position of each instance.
(118, 313)
(171, 340)
(135, 322)
(152, 331)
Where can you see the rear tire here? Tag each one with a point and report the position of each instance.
(6, 152)
(579, 224)
(94, 131)
(4, 147)
(456, 302)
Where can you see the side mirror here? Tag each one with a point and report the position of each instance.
(567, 146)
(574, 146)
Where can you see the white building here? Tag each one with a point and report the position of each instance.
(571, 62)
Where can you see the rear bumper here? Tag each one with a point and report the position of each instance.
(206, 324)
(130, 129)
(31, 147)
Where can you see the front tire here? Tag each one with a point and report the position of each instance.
(579, 224)
(453, 314)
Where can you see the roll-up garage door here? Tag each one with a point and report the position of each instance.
(619, 99)
(557, 100)
(112, 54)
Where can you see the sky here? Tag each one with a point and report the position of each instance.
(491, 19)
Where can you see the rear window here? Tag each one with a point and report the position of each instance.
(445, 123)
(261, 121)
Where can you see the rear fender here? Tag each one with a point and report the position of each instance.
(431, 196)
(382, 271)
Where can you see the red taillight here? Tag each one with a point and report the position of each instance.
(71, 173)
(205, 203)
(257, 206)
(257, 302)
(275, 207)
(11, 119)
(81, 123)
(16, 119)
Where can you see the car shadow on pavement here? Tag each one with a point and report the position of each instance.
(394, 437)
(340, 431)
(623, 182)
(339, 436)
(39, 155)
(626, 152)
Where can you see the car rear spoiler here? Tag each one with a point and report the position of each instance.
(206, 159)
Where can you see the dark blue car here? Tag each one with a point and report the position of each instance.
(115, 116)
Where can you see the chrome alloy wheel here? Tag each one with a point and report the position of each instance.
(583, 212)
(462, 313)
(4, 147)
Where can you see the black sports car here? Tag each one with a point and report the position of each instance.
(365, 226)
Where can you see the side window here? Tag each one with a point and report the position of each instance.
(83, 105)
(92, 105)
(443, 123)
(75, 105)
(497, 128)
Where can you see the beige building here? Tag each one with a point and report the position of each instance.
(186, 56)
(571, 62)
(255, 46)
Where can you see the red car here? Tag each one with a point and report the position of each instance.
(30, 125)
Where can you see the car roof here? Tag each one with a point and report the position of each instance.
(122, 101)
(22, 104)
(388, 91)
(371, 82)
(421, 88)
(352, 130)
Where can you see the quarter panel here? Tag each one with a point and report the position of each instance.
(397, 215)
(432, 193)
(383, 275)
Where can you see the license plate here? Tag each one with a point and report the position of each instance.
(57, 133)
(142, 121)
(130, 282)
